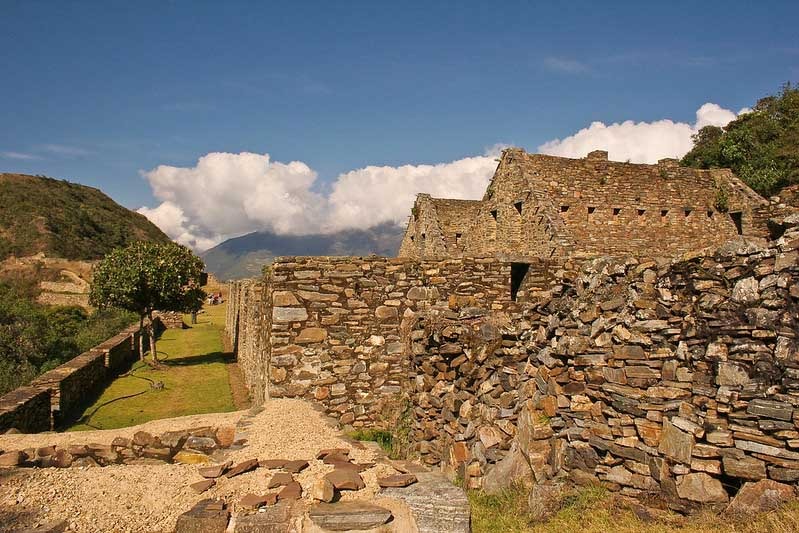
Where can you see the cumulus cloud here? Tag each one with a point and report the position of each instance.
(639, 142)
(225, 195)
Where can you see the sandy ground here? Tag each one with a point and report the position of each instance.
(150, 498)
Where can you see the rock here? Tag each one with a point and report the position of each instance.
(161, 454)
(292, 491)
(202, 486)
(513, 468)
(242, 467)
(345, 479)
(333, 458)
(701, 487)
(762, 496)
(83, 462)
(744, 467)
(289, 314)
(489, 436)
(279, 480)
(225, 435)
(323, 490)
(174, 439)
(121, 442)
(143, 438)
(330, 451)
(346, 516)
(295, 467)
(270, 519)
(746, 291)
(384, 313)
(731, 375)
(397, 480)
(675, 443)
(311, 335)
(272, 464)
(61, 458)
(201, 444)
(284, 299)
(207, 516)
(436, 504)
(214, 471)
(544, 500)
(770, 409)
(12, 458)
(252, 501)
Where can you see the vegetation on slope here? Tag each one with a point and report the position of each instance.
(761, 147)
(193, 372)
(64, 219)
(35, 338)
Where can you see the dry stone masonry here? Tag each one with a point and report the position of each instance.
(676, 377)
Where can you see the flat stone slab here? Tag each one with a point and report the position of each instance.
(280, 479)
(212, 472)
(345, 516)
(345, 479)
(254, 501)
(295, 467)
(398, 480)
(272, 464)
(435, 503)
(330, 451)
(202, 486)
(292, 491)
(244, 466)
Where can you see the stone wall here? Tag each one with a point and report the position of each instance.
(335, 330)
(672, 379)
(61, 393)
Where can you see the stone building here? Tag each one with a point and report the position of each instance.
(545, 206)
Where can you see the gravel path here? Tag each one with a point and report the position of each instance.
(130, 498)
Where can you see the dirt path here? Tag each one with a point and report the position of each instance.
(241, 397)
(150, 498)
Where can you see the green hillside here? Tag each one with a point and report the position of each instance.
(63, 219)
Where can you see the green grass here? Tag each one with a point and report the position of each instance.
(194, 374)
(594, 510)
(382, 437)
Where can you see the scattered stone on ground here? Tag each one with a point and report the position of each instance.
(279, 480)
(397, 480)
(202, 486)
(345, 479)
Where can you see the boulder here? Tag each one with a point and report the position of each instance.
(12, 458)
(701, 487)
(762, 496)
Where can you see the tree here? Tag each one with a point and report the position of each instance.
(146, 276)
(761, 147)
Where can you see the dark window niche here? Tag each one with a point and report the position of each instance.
(616, 211)
(687, 212)
(564, 208)
(591, 210)
(641, 212)
(518, 206)
(664, 213)
(737, 218)
(518, 271)
(494, 214)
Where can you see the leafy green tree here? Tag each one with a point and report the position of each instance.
(146, 276)
(761, 147)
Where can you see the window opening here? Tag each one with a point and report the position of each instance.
(564, 208)
(737, 218)
(494, 214)
(616, 211)
(518, 271)
(518, 206)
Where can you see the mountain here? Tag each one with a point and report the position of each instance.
(245, 256)
(63, 219)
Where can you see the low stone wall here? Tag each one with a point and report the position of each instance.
(27, 409)
(248, 331)
(70, 386)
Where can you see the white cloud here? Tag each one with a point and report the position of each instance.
(639, 142)
(226, 195)
(18, 155)
(62, 149)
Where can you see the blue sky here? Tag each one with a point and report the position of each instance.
(96, 92)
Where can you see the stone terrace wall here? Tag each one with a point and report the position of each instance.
(680, 380)
(335, 330)
(59, 394)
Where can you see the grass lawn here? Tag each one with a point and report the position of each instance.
(594, 510)
(194, 374)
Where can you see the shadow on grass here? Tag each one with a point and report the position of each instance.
(204, 359)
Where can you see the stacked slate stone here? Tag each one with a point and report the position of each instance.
(677, 379)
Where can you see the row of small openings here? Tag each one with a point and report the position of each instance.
(640, 212)
(413, 237)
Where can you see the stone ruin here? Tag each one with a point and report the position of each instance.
(601, 322)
